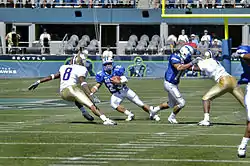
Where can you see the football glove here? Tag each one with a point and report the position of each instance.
(237, 55)
(196, 60)
(34, 85)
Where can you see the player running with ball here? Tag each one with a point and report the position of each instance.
(113, 77)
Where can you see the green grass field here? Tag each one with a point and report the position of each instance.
(39, 129)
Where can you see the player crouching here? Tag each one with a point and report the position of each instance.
(113, 78)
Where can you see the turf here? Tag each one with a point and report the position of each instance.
(37, 128)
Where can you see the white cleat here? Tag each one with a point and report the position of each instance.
(172, 120)
(109, 122)
(130, 117)
(204, 123)
(241, 152)
(153, 114)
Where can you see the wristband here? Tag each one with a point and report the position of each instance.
(95, 87)
(83, 83)
(52, 76)
(91, 94)
(192, 68)
(38, 81)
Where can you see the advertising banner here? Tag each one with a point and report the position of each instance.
(136, 66)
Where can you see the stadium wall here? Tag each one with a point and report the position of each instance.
(111, 16)
(41, 66)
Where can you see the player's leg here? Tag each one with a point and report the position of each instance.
(176, 101)
(84, 111)
(115, 103)
(133, 97)
(242, 147)
(217, 90)
(74, 93)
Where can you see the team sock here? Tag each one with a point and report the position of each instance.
(244, 141)
(206, 116)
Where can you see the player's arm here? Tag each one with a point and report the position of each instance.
(84, 84)
(45, 79)
(245, 56)
(180, 66)
(96, 87)
(195, 68)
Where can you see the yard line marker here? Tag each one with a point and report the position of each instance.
(125, 148)
(82, 162)
(72, 165)
(105, 155)
(116, 153)
(148, 144)
(165, 134)
(156, 140)
(127, 159)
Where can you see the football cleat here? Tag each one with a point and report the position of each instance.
(172, 120)
(109, 122)
(204, 123)
(130, 117)
(153, 114)
(241, 152)
(87, 116)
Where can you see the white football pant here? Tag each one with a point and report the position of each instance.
(174, 95)
(247, 101)
(118, 97)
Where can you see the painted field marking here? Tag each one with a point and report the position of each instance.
(116, 152)
(125, 149)
(105, 155)
(72, 165)
(157, 140)
(82, 162)
(161, 134)
(149, 144)
(127, 159)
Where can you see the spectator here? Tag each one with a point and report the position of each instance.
(182, 37)
(45, 42)
(206, 37)
(216, 47)
(194, 39)
(192, 44)
(107, 52)
(202, 47)
(12, 40)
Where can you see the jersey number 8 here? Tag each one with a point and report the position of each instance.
(67, 73)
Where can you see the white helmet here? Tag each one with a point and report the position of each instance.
(79, 59)
(107, 63)
(208, 54)
(186, 51)
(106, 60)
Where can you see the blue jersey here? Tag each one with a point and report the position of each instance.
(103, 77)
(245, 77)
(172, 75)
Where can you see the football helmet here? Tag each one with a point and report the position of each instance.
(208, 54)
(107, 63)
(243, 50)
(186, 51)
(79, 59)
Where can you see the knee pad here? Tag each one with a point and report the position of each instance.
(181, 103)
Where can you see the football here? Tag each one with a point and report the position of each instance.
(116, 79)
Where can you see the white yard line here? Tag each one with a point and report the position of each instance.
(116, 152)
(170, 134)
(73, 165)
(105, 155)
(82, 162)
(128, 159)
(125, 149)
(149, 144)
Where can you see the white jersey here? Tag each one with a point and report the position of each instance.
(212, 68)
(70, 73)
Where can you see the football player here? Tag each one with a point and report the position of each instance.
(243, 52)
(225, 83)
(73, 87)
(113, 77)
(178, 63)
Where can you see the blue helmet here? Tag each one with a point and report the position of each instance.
(243, 49)
(107, 63)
